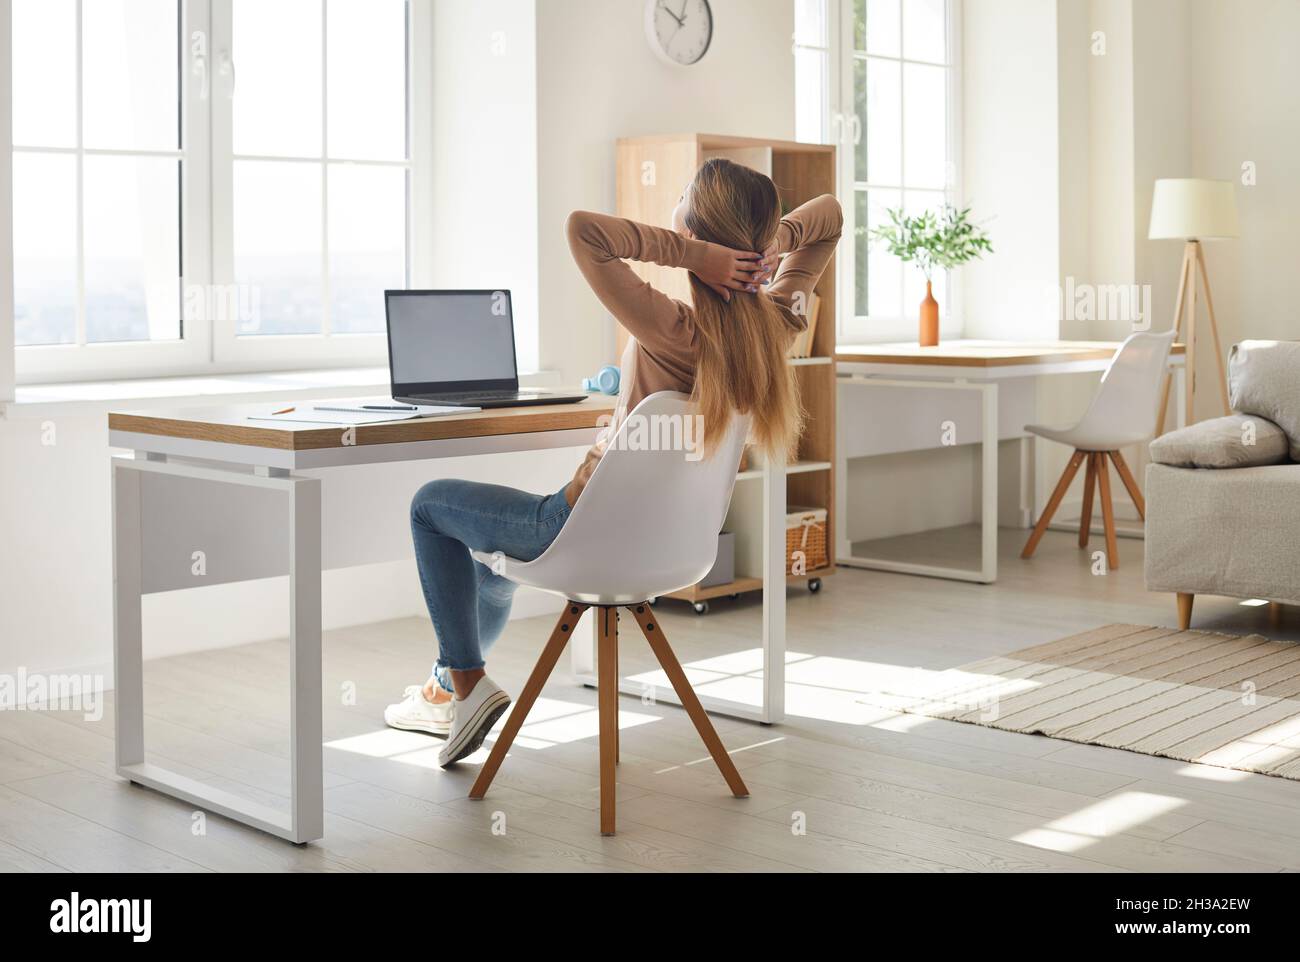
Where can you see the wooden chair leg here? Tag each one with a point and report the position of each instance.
(1130, 483)
(653, 632)
(607, 700)
(1185, 599)
(1053, 503)
(1107, 513)
(532, 688)
(1085, 517)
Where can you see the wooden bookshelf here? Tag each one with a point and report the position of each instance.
(650, 175)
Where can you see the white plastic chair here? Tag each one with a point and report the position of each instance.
(1122, 412)
(647, 524)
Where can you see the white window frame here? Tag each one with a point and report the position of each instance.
(53, 362)
(845, 132)
(7, 373)
(827, 48)
(213, 347)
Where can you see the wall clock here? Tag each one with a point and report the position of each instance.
(679, 31)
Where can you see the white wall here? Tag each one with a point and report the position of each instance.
(1076, 140)
(1163, 115)
(1195, 88)
(1211, 84)
(1113, 135)
(1010, 165)
(1096, 196)
(485, 156)
(6, 218)
(1245, 106)
(598, 80)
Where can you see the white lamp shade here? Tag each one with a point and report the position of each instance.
(1187, 208)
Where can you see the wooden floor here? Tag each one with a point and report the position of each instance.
(839, 786)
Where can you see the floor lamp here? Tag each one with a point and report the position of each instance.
(1192, 210)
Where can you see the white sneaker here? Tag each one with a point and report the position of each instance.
(415, 713)
(473, 719)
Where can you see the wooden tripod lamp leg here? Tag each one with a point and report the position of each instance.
(1214, 330)
(1190, 418)
(653, 632)
(1178, 328)
(532, 688)
(1053, 503)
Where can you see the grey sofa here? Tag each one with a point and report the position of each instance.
(1223, 496)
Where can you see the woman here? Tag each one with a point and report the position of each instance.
(727, 350)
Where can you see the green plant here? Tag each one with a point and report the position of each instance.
(945, 239)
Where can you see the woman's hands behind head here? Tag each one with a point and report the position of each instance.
(725, 270)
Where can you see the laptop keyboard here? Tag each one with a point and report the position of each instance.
(476, 396)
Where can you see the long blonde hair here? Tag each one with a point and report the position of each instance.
(744, 342)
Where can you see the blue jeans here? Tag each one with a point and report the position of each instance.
(469, 604)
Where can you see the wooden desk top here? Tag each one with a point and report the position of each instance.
(229, 424)
(971, 353)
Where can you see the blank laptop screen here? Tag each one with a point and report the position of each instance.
(445, 337)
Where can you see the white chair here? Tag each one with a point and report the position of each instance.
(646, 524)
(1122, 412)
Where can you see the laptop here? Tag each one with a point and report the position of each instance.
(457, 348)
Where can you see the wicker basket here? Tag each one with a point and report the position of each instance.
(805, 540)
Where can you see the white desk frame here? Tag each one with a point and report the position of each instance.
(981, 379)
(273, 469)
(306, 818)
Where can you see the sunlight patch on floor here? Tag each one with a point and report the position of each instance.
(552, 721)
(1267, 747)
(1104, 819)
(1211, 774)
(844, 690)
(927, 692)
(828, 704)
(572, 727)
(900, 722)
(384, 743)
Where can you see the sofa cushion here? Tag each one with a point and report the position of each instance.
(1237, 441)
(1264, 377)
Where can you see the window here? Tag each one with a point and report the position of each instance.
(209, 184)
(891, 106)
(98, 163)
(812, 57)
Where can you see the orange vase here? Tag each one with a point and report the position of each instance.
(929, 319)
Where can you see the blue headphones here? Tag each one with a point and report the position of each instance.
(605, 381)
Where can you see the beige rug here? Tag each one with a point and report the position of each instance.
(1195, 696)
